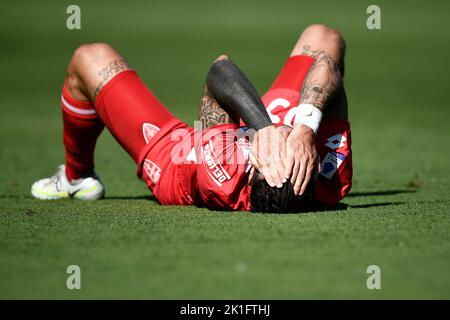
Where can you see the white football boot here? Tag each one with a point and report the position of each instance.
(59, 187)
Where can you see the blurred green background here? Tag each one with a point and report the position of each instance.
(127, 246)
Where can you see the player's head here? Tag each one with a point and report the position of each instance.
(267, 199)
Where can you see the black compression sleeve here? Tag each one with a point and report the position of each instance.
(235, 93)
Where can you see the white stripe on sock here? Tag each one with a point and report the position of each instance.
(77, 110)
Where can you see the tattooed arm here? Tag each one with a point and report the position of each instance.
(229, 88)
(228, 96)
(323, 88)
(211, 113)
(323, 80)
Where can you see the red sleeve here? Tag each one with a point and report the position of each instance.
(333, 142)
(222, 169)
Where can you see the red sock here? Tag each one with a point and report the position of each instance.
(127, 107)
(82, 126)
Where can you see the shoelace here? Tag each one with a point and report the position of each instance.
(56, 179)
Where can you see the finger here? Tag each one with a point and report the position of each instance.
(251, 174)
(300, 177)
(273, 171)
(295, 172)
(308, 174)
(254, 161)
(267, 176)
(263, 169)
(274, 162)
(280, 177)
(269, 160)
(283, 162)
(290, 163)
(279, 171)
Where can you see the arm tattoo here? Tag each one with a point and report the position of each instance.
(322, 81)
(210, 112)
(113, 68)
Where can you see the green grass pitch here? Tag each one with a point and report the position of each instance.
(129, 247)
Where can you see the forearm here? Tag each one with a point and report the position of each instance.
(235, 93)
(323, 81)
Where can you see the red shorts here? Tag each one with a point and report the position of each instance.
(165, 166)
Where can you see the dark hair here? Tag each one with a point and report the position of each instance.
(267, 199)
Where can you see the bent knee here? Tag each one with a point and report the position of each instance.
(92, 51)
(221, 57)
(324, 32)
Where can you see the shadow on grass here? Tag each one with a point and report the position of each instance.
(380, 193)
(337, 207)
(379, 204)
(318, 209)
(344, 206)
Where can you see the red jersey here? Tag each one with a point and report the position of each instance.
(184, 167)
(223, 168)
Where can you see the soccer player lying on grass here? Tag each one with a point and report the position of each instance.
(250, 154)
